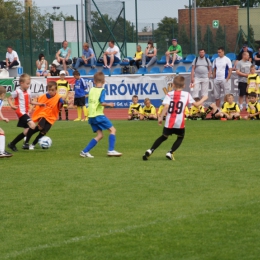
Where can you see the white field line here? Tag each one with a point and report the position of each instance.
(112, 232)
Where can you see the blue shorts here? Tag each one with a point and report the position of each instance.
(99, 123)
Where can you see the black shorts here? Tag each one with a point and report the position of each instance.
(69, 61)
(242, 88)
(23, 121)
(80, 102)
(43, 125)
(176, 131)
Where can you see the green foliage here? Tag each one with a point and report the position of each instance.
(241, 3)
(221, 39)
(167, 29)
(184, 40)
(205, 205)
(208, 42)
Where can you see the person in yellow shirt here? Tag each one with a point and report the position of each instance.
(63, 91)
(149, 110)
(138, 57)
(160, 109)
(230, 109)
(253, 81)
(135, 111)
(197, 112)
(253, 108)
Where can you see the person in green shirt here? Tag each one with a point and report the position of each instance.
(174, 53)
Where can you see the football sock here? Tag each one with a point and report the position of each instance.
(208, 110)
(30, 133)
(79, 110)
(111, 142)
(85, 111)
(90, 145)
(18, 138)
(176, 144)
(40, 135)
(158, 142)
(60, 114)
(2, 143)
(67, 113)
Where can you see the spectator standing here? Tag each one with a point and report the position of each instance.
(111, 55)
(257, 58)
(63, 55)
(88, 57)
(243, 70)
(239, 56)
(138, 57)
(150, 55)
(42, 66)
(222, 70)
(200, 74)
(174, 53)
(11, 59)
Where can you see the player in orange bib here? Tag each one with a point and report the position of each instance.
(45, 116)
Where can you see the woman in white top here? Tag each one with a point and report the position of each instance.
(42, 66)
(150, 55)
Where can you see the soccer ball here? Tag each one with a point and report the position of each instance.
(45, 142)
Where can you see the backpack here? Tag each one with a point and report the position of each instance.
(207, 60)
(128, 70)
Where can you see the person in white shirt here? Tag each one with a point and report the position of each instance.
(11, 60)
(111, 55)
(222, 70)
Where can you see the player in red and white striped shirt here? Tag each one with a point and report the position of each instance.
(174, 105)
(22, 100)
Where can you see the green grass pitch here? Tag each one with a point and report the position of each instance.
(205, 205)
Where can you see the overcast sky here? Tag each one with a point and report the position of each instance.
(149, 11)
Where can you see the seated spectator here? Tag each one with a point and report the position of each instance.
(257, 58)
(187, 113)
(230, 109)
(240, 55)
(253, 81)
(42, 66)
(88, 57)
(11, 60)
(253, 108)
(149, 110)
(111, 55)
(54, 72)
(197, 112)
(63, 55)
(135, 111)
(160, 109)
(174, 53)
(150, 55)
(138, 57)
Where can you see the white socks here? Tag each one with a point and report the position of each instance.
(2, 143)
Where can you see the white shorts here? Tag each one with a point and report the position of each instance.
(177, 57)
(221, 84)
(200, 84)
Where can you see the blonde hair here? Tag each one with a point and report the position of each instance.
(86, 44)
(24, 77)
(99, 77)
(146, 99)
(179, 81)
(2, 90)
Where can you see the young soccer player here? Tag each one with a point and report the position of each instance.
(174, 104)
(22, 100)
(63, 90)
(97, 119)
(45, 116)
(79, 99)
(135, 111)
(253, 107)
(253, 81)
(3, 153)
(230, 109)
(197, 112)
(149, 110)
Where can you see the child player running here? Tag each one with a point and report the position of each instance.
(174, 104)
(45, 116)
(3, 153)
(22, 100)
(97, 119)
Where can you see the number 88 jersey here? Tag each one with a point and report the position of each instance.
(177, 101)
